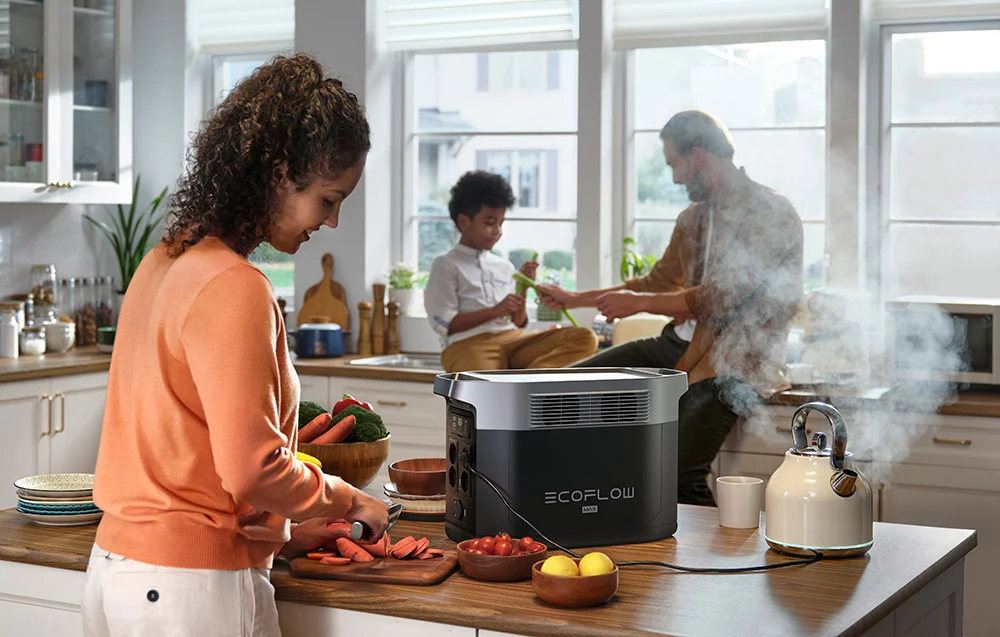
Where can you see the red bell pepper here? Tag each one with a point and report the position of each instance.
(349, 400)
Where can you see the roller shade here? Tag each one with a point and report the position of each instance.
(413, 25)
(897, 10)
(242, 26)
(655, 23)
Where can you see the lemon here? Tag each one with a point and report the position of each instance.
(305, 457)
(596, 563)
(560, 565)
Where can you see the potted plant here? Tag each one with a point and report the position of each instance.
(403, 281)
(634, 264)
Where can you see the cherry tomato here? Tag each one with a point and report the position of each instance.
(537, 547)
(525, 542)
(480, 552)
(517, 552)
(486, 544)
(475, 544)
(503, 547)
(502, 537)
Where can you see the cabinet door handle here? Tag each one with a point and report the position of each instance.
(949, 441)
(62, 413)
(881, 487)
(48, 428)
(788, 430)
(391, 403)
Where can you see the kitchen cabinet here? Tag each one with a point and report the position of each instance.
(38, 600)
(66, 102)
(303, 620)
(51, 425)
(316, 389)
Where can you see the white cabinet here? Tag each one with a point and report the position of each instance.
(52, 425)
(66, 102)
(315, 389)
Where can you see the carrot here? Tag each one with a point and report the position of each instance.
(349, 549)
(403, 547)
(315, 428)
(318, 555)
(435, 552)
(338, 432)
(331, 560)
(422, 545)
(378, 549)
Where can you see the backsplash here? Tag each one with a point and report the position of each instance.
(31, 233)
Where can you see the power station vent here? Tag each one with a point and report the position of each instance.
(613, 408)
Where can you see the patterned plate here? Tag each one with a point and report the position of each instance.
(389, 488)
(71, 508)
(421, 506)
(23, 496)
(61, 485)
(64, 520)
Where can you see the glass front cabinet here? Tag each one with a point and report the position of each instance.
(65, 101)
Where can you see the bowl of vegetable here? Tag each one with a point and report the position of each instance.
(351, 442)
(500, 558)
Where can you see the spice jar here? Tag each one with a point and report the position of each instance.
(18, 309)
(9, 332)
(86, 313)
(43, 289)
(33, 341)
(105, 301)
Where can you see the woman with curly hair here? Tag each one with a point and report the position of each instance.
(196, 472)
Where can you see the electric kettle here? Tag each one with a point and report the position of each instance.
(816, 501)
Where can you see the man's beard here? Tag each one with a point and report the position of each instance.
(696, 188)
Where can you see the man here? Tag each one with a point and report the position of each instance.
(731, 278)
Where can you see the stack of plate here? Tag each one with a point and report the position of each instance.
(429, 508)
(58, 499)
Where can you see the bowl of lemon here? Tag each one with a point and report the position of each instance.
(575, 583)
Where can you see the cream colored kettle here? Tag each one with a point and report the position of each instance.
(816, 500)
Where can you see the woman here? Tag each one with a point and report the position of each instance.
(196, 472)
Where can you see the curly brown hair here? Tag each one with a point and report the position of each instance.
(285, 114)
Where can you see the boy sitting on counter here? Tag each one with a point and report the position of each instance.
(471, 298)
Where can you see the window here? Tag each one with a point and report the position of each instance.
(941, 130)
(771, 96)
(502, 122)
(279, 267)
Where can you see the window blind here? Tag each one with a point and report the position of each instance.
(897, 10)
(414, 25)
(654, 23)
(242, 26)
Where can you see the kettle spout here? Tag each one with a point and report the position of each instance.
(843, 482)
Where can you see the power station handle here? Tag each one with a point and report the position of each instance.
(391, 403)
(949, 441)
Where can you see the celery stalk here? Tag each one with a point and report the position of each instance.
(528, 283)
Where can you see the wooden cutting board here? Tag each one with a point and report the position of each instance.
(326, 298)
(384, 570)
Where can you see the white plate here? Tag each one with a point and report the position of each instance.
(63, 520)
(34, 499)
(389, 489)
(59, 485)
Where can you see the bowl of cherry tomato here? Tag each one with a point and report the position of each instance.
(500, 558)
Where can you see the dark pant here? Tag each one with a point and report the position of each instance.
(704, 419)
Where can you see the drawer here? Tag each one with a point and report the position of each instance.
(957, 447)
(408, 404)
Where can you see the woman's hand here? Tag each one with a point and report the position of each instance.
(530, 269)
(372, 511)
(311, 534)
(555, 297)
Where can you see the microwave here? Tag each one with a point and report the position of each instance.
(947, 339)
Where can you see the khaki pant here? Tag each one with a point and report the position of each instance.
(515, 349)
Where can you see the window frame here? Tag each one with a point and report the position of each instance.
(878, 222)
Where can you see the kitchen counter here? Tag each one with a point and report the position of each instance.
(967, 403)
(907, 567)
(79, 360)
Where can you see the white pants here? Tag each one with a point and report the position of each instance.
(126, 598)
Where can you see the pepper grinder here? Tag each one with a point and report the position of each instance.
(378, 319)
(364, 337)
(392, 330)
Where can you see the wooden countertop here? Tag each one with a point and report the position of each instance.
(341, 367)
(967, 403)
(836, 597)
(79, 360)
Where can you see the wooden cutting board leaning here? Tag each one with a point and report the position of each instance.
(326, 299)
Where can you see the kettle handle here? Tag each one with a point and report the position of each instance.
(837, 425)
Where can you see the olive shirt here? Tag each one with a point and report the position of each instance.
(738, 261)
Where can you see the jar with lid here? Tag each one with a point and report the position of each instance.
(33, 341)
(105, 301)
(9, 333)
(86, 312)
(18, 308)
(68, 289)
(44, 291)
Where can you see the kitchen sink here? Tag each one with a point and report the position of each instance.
(427, 362)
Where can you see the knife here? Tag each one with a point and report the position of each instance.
(360, 529)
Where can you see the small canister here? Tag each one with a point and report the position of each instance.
(33, 341)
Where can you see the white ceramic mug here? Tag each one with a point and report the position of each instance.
(739, 499)
(799, 373)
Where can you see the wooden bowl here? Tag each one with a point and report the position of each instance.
(574, 592)
(419, 476)
(356, 462)
(497, 568)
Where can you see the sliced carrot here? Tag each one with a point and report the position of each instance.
(422, 545)
(349, 549)
(435, 552)
(377, 549)
(315, 428)
(318, 555)
(403, 546)
(331, 560)
(338, 432)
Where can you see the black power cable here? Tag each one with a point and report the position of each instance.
(467, 464)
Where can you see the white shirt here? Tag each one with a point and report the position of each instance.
(466, 280)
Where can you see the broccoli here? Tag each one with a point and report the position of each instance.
(369, 427)
(307, 411)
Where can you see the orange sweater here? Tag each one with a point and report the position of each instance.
(197, 466)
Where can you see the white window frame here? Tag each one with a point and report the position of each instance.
(405, 234)
(879, 222)
(629, 195)
(219, 59)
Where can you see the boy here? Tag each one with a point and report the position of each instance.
(470, 297)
